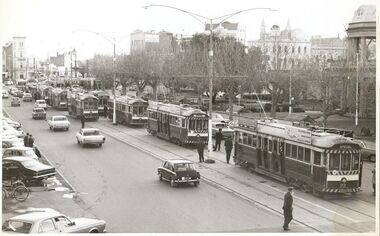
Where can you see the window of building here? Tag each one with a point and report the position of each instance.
(300, 153)
(21, 65)
(307, 155)
(294, 151)
(288, 150)
(317, 158)
(299, 49)
(286, 49)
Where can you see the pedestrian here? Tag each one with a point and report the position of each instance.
(26, 140)
(218, 139)
(228, 145)
(82, 120)
(288, 208)
(374, 180)
(105, 111)
(30, 141)
(200, 148)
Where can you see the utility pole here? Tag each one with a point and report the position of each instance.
(357, 91)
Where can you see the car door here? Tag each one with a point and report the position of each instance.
(164, 170)
(47, 226)
(63, 224)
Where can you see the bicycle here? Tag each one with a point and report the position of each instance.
(16, 190)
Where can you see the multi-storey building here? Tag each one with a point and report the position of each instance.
(161, 42)
(14, 59)
(333, 48)
(227, 29)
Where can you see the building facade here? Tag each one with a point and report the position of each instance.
(333, 49)
(162, 42)
(14, 59)
(228, 29)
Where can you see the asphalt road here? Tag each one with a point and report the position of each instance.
(119, 184)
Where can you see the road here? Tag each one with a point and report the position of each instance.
(119, 184)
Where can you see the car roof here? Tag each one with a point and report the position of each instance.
(36, 216)
(89, 129)
(18, 158)
(58, 116)
(40, 100)
(178, 161)
(20, 148)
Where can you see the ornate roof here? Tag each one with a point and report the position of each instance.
(365, 13)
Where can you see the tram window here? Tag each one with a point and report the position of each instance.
(254, 140)
(300, 153)
(294, 151)
(183, 123)
(307, 155)
(346, 161)
(258, 141)
(355, 161)
(250, 139)
(288, 150)
(265, 144)
(324, 159)
(270, 145)
(275, 146)
(192, 124)
(245, 138)
(334, 161)
(240, 137)
(317, 158)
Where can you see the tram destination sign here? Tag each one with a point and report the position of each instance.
(298, 134)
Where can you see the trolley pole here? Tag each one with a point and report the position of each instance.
(211, 74)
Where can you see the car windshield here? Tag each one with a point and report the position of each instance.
(92, 132)
(183, 166)
(17, 226)
(60, 118)
(39, 110)
(219, 125)
(41, 102)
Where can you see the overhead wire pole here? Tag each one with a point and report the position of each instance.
(211, 56)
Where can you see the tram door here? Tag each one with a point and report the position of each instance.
(281, 149)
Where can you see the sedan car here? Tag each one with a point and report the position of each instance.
(226, 131)
(38, 113)
(26, 169)
(41, 103)
(14, 124)
(20, 151)
(51, 223)
(10, 131)
(179, 171)
(15, 102)
(90, 136)
(27, 97)
(11, 142)
(5, 94)
(58, 122)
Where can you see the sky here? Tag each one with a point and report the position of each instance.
(53, 26)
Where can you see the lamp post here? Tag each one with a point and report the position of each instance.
(211, 54)
(111, 40)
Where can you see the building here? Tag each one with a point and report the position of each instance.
(14, 59)
(162, 42)
(323, 49)
(61, 64)
(284, 49)
(228, 29)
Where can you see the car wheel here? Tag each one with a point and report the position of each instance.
(372, 158)
(172, 183)
(160, 176)
(67, 129)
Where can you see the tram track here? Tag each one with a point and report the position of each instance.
(226, 188)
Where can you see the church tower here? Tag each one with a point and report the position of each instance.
(262, 30)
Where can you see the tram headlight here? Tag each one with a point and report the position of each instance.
(343, 180)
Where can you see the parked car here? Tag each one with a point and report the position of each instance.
(9, 130)
(8, 82)
(5, 94)
(51, 223)
(15, 102)
(366, 153)
(27, 97)
(58, 122)
(14, 124)
(226, 131)
(41, 103)
(90, 136)
(26, 169)
(38, 113)
(20, 151)
(11, 142)
(179, 171)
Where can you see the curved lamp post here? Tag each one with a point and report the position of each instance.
(111, 40)
(211, 54)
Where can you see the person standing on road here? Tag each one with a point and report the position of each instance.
(200, 148)
(374, 180)
(26, 140)
(288, 208)
(82, 120)
(228, 145)
(30, 141)
(105, 111)
(218, 139)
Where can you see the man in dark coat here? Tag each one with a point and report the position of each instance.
(30, 141)
(82, 120)
(105, 111)
(26, 140)
(228, 145)
(218, 139)
(288, 208)
(200, 148)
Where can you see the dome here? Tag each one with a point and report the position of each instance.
(365, 13)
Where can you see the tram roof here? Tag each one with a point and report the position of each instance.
(317, 138)
(174, 109)
(83, 96)
(58, 90)
(99, 93)
(130, 100)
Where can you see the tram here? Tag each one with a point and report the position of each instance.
(129, 111)
(45, 92)
(179, 124)
(103, 100)
(59, 98)
(310, 159)
(83, 104)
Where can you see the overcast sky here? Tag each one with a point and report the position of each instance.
(49, 24)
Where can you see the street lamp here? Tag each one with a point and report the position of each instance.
(211, 54)
(111, 40)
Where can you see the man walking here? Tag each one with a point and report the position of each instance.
(218, 139)
(288, 208)
(26, 140)
(82, 120)
(200, 148)
(228, 145)
(30, 141)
